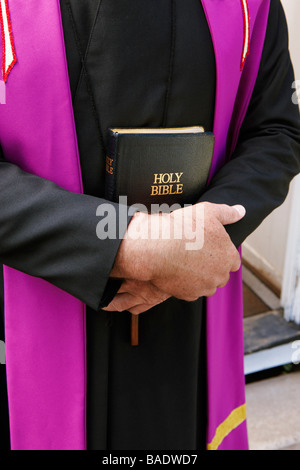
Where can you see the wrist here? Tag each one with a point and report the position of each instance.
(133, 260)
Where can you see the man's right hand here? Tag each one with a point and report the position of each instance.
(167, 264)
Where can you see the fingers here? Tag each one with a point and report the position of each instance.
(129, 303)
(136, 297)
(236, 263)
(144, 290)
(228, 214)
(122, 302)
(138, 309)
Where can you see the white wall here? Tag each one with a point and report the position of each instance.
(265, 249)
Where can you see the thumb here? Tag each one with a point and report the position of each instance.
(230, 214)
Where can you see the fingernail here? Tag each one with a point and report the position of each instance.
(241, 210)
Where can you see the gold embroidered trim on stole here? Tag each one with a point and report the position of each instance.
(236, 417)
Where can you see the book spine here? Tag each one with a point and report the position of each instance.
(110, 168)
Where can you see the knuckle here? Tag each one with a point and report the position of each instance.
(211, 292)
(236, 265)
(191, 297)
(120, 307)
(224, 281)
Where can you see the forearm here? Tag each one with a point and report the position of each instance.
(50, 233)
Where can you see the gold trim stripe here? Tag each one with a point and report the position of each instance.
(236, 417)
(158, 130)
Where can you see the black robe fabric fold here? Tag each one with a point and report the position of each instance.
(123, 81)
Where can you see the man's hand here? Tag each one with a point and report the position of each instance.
(166, 263)
(136, 297)
(189, 275)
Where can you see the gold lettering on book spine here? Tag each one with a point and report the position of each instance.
(166, 184)
(109, 165)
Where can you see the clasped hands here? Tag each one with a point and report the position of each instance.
(156, 268)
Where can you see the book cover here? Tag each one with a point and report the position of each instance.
(156, 166)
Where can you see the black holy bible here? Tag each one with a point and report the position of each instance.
(162, 169)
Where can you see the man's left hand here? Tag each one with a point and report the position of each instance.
(136, 297)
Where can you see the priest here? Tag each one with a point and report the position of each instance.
(71, 70)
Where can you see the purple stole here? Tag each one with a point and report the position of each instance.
(44, 326)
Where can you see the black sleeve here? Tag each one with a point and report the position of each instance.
(48, 232)
(267, 155)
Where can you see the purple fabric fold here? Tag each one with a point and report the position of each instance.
(44, 326)
(225, 345)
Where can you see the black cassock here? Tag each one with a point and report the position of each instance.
(152, 65)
